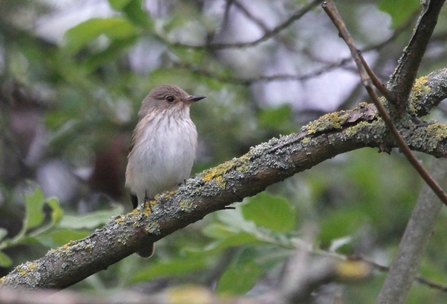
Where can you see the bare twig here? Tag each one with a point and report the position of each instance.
(267, 35)
(420, 279)
(260, 23)
(249, 15)
(404, 75)
(330, 8)
(390, 96)
(284, 77)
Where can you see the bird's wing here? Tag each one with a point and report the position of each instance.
(145, 121)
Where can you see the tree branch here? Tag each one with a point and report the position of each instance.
(368, 79)
(401, 81)
(414, 242)
(218, 187)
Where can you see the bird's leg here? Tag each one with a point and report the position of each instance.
(181, 183)
(146, 199)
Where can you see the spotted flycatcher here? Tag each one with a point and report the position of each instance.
(163, 146)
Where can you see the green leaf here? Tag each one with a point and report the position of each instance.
(133, 10)
(176, 267)
(113, 50)
(5, 261)
(399, 10)
(34, 209)
(3, 233)
(218, 231)
(114, 28)
(239, 278)
(340, 224)
(135, 13)
(275, 118)
(56, 211)
(273, 212)
(236, 222)
(90, 220)
(239, 239)
(119, 4)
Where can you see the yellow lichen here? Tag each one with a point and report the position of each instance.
(166, 195)
(241, 164)
(217, 172)
(420, 84)
(328, 121)
(186, 205)
(23, 269)
(153, 228)
(146, 210)
(440, 130)
(31, 266)
(420, 88)
(362, 105)
(135, 212)
(355, 129)
(220, 181)
(119, 220)
(243, 167)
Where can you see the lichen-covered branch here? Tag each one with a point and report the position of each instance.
(218, 187)
(427, 92)
(402, 80)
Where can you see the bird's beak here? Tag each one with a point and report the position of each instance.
(193, 98)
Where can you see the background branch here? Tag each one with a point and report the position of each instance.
(414, 242)
(267, 35)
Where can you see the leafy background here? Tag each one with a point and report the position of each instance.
(68, 107)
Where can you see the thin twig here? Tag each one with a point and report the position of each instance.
(249, 15)
(418, 278)
(284, 77)
(390, 96)
(267, 35)
(331, 10)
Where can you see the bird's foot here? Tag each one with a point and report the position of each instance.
(181, 183)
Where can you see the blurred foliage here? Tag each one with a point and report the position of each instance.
(399, 16)
(50, 227)
(86, 93)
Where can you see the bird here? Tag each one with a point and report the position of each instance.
(163, 147)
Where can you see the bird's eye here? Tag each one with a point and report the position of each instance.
(170, 98)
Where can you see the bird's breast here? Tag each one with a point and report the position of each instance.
(163, 154)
